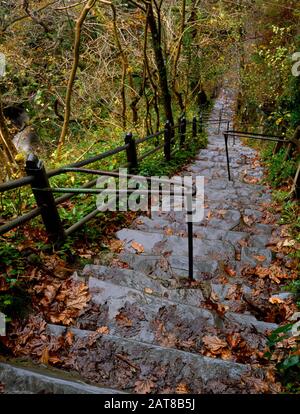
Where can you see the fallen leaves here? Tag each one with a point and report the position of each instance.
(275, 300)
(182, 388)
(248, 220)
(231, 272)
(274, 272)
(116, 246)
(214, 344)
(103, 330)
(123, 320)
(259, 258)
(138, 247)
(144, 386)
(62, 301)
(250, 180)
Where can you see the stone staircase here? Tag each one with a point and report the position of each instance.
(146, 329)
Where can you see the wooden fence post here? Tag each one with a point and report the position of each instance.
(44, 199)
(131, 153)
(201, 123)
(182, 131)
(194, 127)
(168, 137)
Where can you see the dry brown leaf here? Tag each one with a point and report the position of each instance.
(182, 388)
(138, 247)
(103, 330)
(116, 246)
(123, 320)
(248, 220)
(214, 344)
(209, 215)
(275, 300)
(251, 180)
(45, 356)
(259, 258)
(69, 338)
(144, 386)
(54, 360)
(230, 271)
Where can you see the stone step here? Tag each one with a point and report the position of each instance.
(171, 266)
(108, 360)
(23, 380)
(151, 293)
(156, 243)
(157, 225)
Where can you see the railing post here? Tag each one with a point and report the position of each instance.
(201, 123)
(182, 131)
(220, 120)
(168, 137)
(44, 199)
(194, 127)
(189, 212)
(131, 153)
(227, 155)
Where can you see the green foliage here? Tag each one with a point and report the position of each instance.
(14, 300)
(279, 169)
(288, 368)
(158, 166)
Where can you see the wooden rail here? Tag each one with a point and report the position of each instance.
(38, 178)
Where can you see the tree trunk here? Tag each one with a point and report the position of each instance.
(161, 65)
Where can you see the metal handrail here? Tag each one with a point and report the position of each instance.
(248, 135)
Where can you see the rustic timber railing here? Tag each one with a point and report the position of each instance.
(38, 178)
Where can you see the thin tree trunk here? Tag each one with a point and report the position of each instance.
(177, 55)
(161, 65)
(90, 4)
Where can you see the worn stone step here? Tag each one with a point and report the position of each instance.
(172, 266)
(140, 286)
(217, 229)
(107, 360)
(156, 243)
(133, 314)
(23, 380)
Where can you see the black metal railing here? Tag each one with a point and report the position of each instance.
(249, 135)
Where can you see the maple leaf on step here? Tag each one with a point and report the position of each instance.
(144, 386)
(138, 247)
